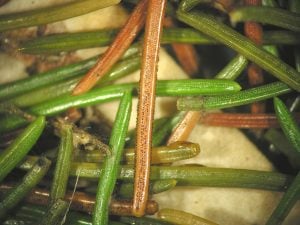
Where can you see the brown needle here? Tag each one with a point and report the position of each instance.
(121, 43)
(186, 54)
(83, 202)
(185, 127)
(242, 120)
(155, 14)
(254, 31)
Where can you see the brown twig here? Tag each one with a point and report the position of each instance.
(184, 127)
(83, 202)
(155, 14)
(121, 43)
(186, 54)
(240, 120)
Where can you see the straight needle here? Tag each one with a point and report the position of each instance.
(121, 43)
(153, 30)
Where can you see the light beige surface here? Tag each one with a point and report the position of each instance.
(220, 147)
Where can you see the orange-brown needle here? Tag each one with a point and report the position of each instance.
(242, 120)
(254, 31)
(155, 14)
(83, 202)
(121, 43)
(186, 54)
(185, 127)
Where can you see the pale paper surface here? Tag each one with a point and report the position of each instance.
(220, 147)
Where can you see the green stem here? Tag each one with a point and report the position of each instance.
(52, 14)
(197, 176)
(164, 154)
(63, 164)
(181, 217)
(241, 98)
(11, 122)
(76, 218)
(191, 175)
(30, 212)
(108, 178)
(241, 44)
(73, 41)
(161, 134)
(286, 203)
(47, 78)
(281, 37)
(55, 214)
(57, 43)
(126, 190)
(11, 156)
(273, 136)
(143, 221)
(64, 73)
(68, 42)
(185, 35)
(268, 15)
(120, 69)
(113, 92)
(294, 6)
(31, 179)
(17, 222)
(33, 213)
(171, 153)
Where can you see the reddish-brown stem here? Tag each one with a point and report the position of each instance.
(254, 31)
(121, 43)
(151, 45)
(186, 54)
(240, 120)
(185, 127)
(84, 203)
